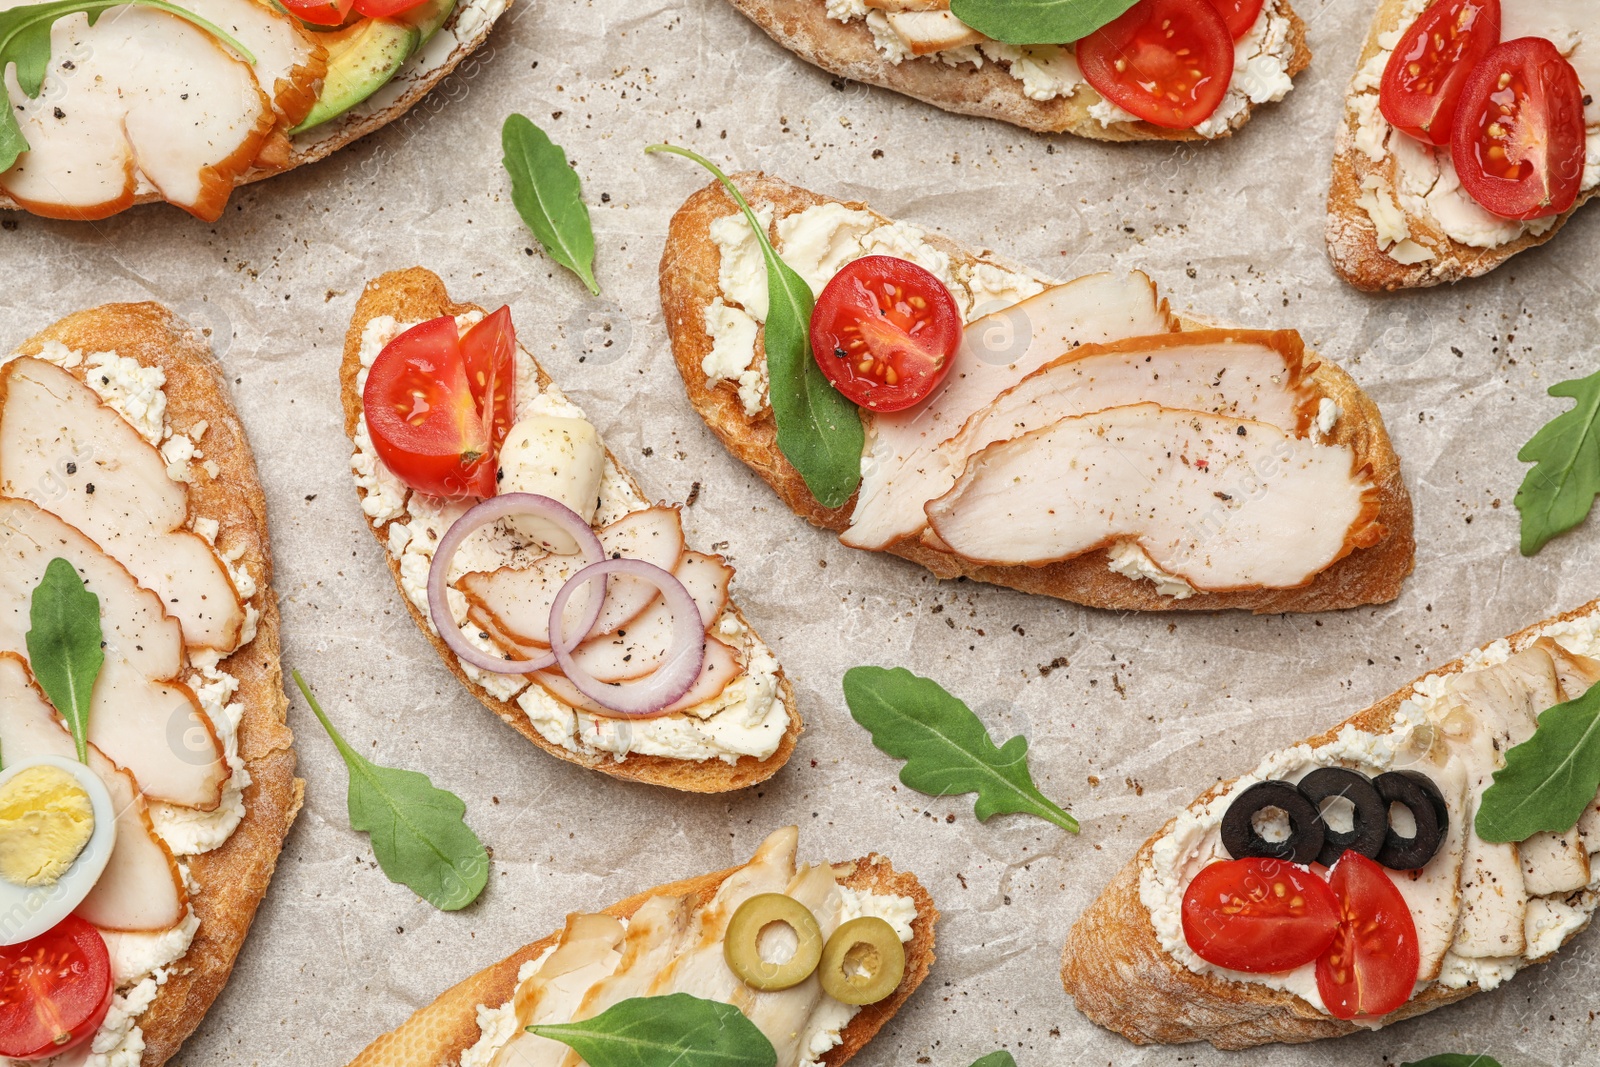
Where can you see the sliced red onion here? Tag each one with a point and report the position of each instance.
(648, 696)
(505, 506)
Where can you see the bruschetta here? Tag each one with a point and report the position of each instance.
(1417, 196)
(1162, 956)
(121, 454)
(920, 48)
(1267, 482)
(611, 705)
(675, 939)
(185, 103)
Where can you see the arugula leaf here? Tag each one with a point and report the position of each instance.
(1454, 1059)
(1559, 491)
(25, 41)
(1038, 21)
(667, 1031)
(1550, 778)
(996, 1059)
(66, 646)
(549, 197)
(417, 830)
(819, 431)
(945, 746)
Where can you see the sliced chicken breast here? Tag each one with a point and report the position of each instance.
(925, 32)
(1434, 892)
(782, 1016)
(586, 953)
(720, 668)
(900, 472)
(290, 61)
(1222, 503)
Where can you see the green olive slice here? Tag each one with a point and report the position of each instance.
(863, 961)
(741, 947)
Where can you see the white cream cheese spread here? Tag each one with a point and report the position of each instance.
(748, 718)
(1423, 725)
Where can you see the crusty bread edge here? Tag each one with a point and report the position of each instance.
(1114, 966)
(229, 882)
(415, 295)
(847, 50)
(1352, 237)
(689, 271)
(437, 1035)
(322, 141)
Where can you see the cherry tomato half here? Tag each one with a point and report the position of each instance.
(319, 12)
(1240, 15)
(1519, 137)
(1428, 68)
(1167, 61)
(385, 8)
(54, 990)
(1259, 915)
(439, 404)
(885, 332)
(1372, 964)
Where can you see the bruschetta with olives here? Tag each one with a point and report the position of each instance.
(862, 936)
(1204, 65)
(554, 589)
(1394, 858)
(1074, 439)
(182, 102)
(146, 771)
(1470, 133)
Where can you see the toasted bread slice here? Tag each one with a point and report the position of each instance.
(229, 882)
(467, 27)
(416, 295)
(1354, 244)
(437, 1035)
(689, 283)
(989, 91)
(1122, 979)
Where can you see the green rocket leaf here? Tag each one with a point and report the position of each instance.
(1559, 491)
(66, 646)
(549, 197)
(945, 746)
(1550, 778)
(1038, 21)
(671, 1031)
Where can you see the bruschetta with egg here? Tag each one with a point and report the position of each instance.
(1073, 439)
(699, 937)
(558, 594)
(1177, 948)
(143, 804)
(1470, 133)
(1206, 64)
(184, 102)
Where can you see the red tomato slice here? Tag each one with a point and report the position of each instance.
(385, 8)
(1519, 138)
(1167, 61)
(885, 332)
(1372, 964)
(1422, 83)
(1240, 15)
(319, 12)
(1259, 915)
(425, 418)
(54, 990)
(488, 352)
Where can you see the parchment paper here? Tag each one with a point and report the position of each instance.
(1138, 713)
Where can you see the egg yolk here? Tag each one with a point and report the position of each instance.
(46, 819)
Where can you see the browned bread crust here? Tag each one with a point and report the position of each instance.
(689, 266)
(322, 141)
(1353, 239)
(437, 1035)
(846, 49)
(415, 295)
(230, 881)
(1116, 970)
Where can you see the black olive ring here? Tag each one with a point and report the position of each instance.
(1369, 814)
(1239, 834)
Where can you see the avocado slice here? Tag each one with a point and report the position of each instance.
(363, 56)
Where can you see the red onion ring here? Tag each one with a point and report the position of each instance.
(492, 510)
(648, 696)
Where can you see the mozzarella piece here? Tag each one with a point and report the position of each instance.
(1222, 503)
(925, 32)
(140, 888)
(720, 668)
(899, 469)
(1245, 374)
(81, 461)
(290, 61)
(140, 96)
(141, 717)
(559, 458)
